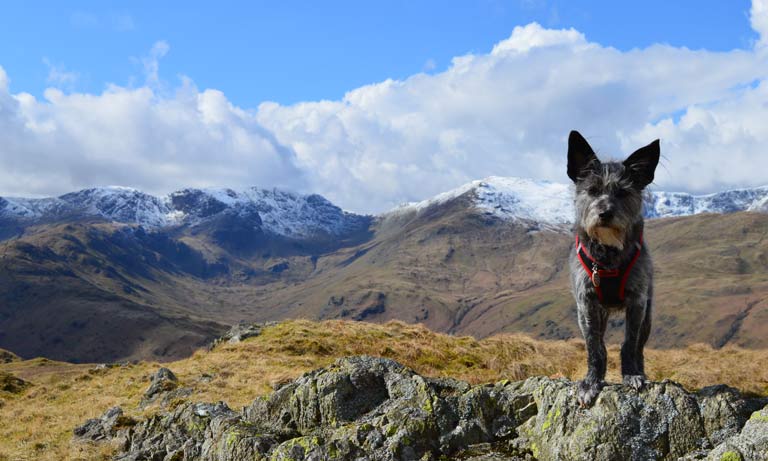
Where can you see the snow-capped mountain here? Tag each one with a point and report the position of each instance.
(300, 216)
(119, 204)
(552, 203)
(664, 204)
(281, 212)
(278, 212)
(509, 198)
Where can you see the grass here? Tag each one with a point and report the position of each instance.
(63, 395)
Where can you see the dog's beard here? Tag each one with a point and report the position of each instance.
(608, 236)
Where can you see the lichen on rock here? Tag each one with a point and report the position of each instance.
(365, 408)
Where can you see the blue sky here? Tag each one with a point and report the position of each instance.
(374, 104)
(290, 51)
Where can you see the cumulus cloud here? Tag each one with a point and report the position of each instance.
(134, 137)
(506, 112)
(509, 112)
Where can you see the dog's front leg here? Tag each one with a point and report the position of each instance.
(593, 319)
(636, 329)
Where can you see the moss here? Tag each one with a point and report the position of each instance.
(759, 416)
(731, 456)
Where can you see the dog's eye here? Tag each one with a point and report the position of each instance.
(594, 190)
(621, 193)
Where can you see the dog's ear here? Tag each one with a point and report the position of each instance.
(581, 157)
(641, 165)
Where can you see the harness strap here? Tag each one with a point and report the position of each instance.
(598, 272)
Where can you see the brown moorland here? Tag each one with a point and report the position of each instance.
(90, 291)
(38, 419)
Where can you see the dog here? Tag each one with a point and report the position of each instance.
(610, 264)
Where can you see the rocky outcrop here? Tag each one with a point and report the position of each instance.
(240, 332)
(164, 387)
(108, 426)
(364, 408)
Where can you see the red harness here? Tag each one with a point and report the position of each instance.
(609, 283)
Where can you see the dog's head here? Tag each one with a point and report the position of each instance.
(609, 195)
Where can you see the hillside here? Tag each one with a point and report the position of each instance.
(47, 410)
(484, 259)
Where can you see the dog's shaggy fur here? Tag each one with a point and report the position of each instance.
(609, 223)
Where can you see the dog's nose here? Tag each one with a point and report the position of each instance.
(606, 215)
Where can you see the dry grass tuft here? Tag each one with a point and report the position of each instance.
(64, 395)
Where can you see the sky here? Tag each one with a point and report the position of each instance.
(375, 104)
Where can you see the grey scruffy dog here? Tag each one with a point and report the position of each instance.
(610, 264)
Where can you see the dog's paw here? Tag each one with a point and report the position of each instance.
(588, 392)
(635, 381)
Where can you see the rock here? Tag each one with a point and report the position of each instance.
(724, 411)
(365, 408)
(660, 422)
(751, 444)
(164, 387)
(196, 431)
(104, 427)
(240, 332)
(162, 381)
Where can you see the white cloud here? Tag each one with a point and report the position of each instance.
(59, 76)
(151, 62)
(506, 112)
(509, 113)
(134, 137)
(759, 19)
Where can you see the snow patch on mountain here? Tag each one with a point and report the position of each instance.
(279, 212)
(552, 203)
(300, 216)
(509, 199)
(664, 204)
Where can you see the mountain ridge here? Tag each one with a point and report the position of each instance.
(277, 211)
(71, 284)
(300, 216)
(552, 203)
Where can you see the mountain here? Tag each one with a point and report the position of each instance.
(278, 212)
(112, 274)
(552, 203)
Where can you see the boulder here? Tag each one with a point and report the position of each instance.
(105, 427)
(164, 387)
(751, 444)
(365, 408)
